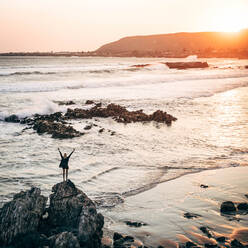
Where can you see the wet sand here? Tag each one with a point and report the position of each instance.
(163, 207)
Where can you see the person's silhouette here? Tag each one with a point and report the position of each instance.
(64, 164)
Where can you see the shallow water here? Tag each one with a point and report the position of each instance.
(211, 130)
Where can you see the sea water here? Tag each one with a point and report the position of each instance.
(211, 131)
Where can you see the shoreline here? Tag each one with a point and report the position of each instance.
(162, 208)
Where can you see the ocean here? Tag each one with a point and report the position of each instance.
(211, 131)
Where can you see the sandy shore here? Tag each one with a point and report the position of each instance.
(163, 207)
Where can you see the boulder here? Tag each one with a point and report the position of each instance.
(71, 209)
(66, 102)
(191, 215)
(236, 244)
(135, 223)
(89, 102)
(186, 65)
(12, 118)
(22, 215)
(227, 207)
(242, 206)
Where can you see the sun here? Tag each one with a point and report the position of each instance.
(232, 18)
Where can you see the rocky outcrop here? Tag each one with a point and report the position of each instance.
(186, 65)
(119, 114)
(57, 125)
(71, 220)
(58, 130)
(22, 215)
(71, 209)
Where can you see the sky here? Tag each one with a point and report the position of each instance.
(85, 25)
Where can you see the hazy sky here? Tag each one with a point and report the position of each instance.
(76, 25)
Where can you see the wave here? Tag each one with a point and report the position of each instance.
(20, 73)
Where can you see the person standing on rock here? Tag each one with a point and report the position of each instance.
(64, 164)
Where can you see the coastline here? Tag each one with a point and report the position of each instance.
(162, 210)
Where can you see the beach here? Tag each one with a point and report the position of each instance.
(162, 210)
(147, 172)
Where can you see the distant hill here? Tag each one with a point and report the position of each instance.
(206, 44)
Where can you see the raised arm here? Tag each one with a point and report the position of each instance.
(71, 153)
(60, 153)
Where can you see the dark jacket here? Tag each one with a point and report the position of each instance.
(64, 161)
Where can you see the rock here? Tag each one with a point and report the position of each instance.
(66, 103)
(56, 123)
(246, 195)
(190, 244)
(135, 224)
(101, 130)
(227, 207)
(211, 245)
(22, 215)
(221, 239)
(71, 209)
(204, 186)
(117, 236)
(12, 118)
(206, 231)
(89, 102)
(88, 127)
(119, 114)
(186, 65)
(236, 244)
(64, 240)
(242, 206)
(58, 130)
(191, 215)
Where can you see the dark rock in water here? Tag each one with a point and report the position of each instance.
(22, 215)
(236, 244)
(117, 236)
(242, 206)
(227, 207)
(121, 241)
(190, 244)
(56, 123)
(101, 130)
(191, 215)
(12, 118)
(211, 246)
(64, 240)
(99, 104)
(71, 208)
(221, 239)
(88, 127)
(66, 103)
(135, 224)
(204, 186)
(186, 65)
(58, 130)
(89, 102)
(119, 114)
(206, 231)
